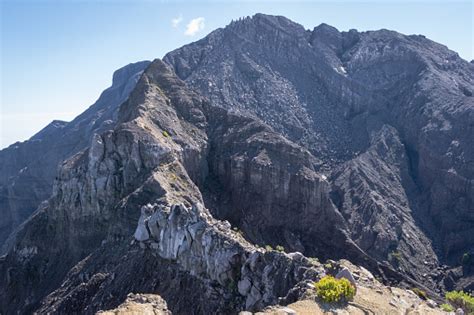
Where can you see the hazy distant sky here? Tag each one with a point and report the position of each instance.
(57, 56)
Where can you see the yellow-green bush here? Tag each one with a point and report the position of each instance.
(461, 299)
(330, 289)
(466, 258)
(447, 308)
(280, 248)
(420, 293)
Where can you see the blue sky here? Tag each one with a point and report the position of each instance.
(57, 56)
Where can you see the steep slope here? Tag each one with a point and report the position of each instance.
(330, 91)
(375, 192)
(269, 65)
(429, 90)
(28, 168)
(269, 188)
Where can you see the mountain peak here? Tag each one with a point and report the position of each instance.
(122, 74)
(268, 22)
(52, 127)
(323, 27)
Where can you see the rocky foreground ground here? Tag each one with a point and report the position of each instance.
(372, 298)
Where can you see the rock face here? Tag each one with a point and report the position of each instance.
(318, 143)
(273, 68)
(203, 246)
(28, 168)
(269, 188)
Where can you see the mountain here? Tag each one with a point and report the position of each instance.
(388, 116)
(29, 168)
(323, 144)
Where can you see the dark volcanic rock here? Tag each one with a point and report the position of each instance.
(375, 194)
(99, 192)
(274, 69)
(268, 186)
(329, 91)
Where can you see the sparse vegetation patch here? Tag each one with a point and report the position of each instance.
(330, 289)
(420, 293)
(461, 299)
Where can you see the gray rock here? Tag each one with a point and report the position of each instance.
(136, 171)
(244, 286)
(345, 273)
(141, 233)
(431, 303)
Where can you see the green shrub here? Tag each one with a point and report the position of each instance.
(268, 248)
(232, 286)
(461, 299)
(330, 289)
(447, 308)
(395, 257)
(466, 258)
(313, 260)
(420, 293)
(237, 230)
(280, 248)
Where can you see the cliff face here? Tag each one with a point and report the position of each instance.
(269, 188)
(28, 168)
(277, 136)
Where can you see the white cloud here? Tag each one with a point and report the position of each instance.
(194, 26)
(176, 21)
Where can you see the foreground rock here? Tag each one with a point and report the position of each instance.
(208, 248)
(372, 297)
(145, 304)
